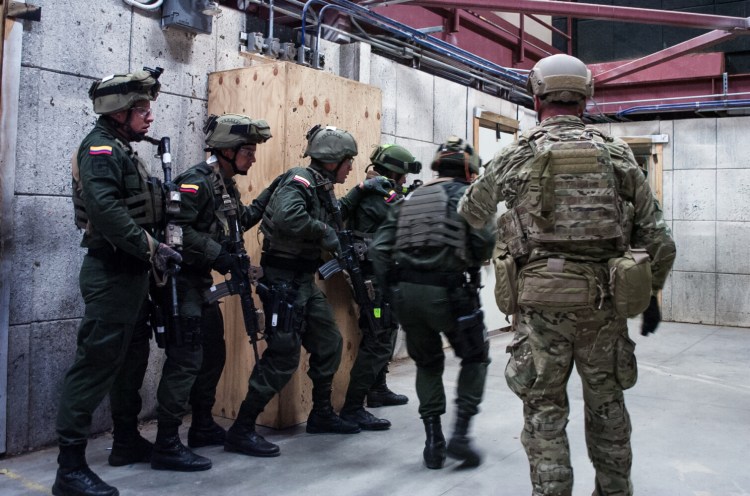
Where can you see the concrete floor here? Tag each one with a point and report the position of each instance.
(690, 412)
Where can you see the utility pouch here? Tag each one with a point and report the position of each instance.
(506, 274)
(630, 283)
(557, 284)
(469, 340)
(510, 232)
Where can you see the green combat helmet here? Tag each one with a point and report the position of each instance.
(456, 154)
(330, 144)
(119, 92)
(235, 130)
(561, 78)
(396, 159)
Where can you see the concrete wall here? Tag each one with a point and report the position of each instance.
(79, 41)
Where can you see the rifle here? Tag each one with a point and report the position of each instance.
(239, 282)
(372, 319)
(172, 235)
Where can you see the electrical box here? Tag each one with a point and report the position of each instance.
(185, 15)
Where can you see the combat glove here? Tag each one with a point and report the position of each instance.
(378, 185)
(330, 241)
(651, 317)
(164, 256)
(223, 262)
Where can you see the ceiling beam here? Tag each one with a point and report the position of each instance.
(593, 11)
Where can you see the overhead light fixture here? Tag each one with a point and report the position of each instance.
(209, 7)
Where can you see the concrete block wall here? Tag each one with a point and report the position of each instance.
(706, 181)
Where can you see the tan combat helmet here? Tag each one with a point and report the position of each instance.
(235, 130)
(455, 154)
(120, 91)
(329, 144)
(561, 78)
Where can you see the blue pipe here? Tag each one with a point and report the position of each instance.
(672, 107)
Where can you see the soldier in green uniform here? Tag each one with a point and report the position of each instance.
(296, 226)
(196, 354)
(430, 258)
(577, 202)
(115, 203)
(366, 212)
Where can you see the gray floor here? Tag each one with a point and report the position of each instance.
(690, 413)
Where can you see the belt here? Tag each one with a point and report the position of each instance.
(292, 264)
(444, 279)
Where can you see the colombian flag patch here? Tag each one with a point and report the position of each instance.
(391, 196)
(100, 150)
(189, 188)
(302, 180)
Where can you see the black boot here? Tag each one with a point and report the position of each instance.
(364, 419)
(380, 395)
(204, 431)
(170, 454)
(242, 438)
(459, 446)
(75, 478)
(322, 418)
(128, 446)
(434, 445)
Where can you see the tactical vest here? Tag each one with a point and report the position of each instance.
(426, 222)
(279, 244)
(146, 207)
(570, 199)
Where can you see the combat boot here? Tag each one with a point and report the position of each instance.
(128, 446)
(364, 419)
(379, 394)
(459, 446)
(75, 478)
(170, 454)
(434, 445)
(322, 419)
(204, 431)
(242, 438)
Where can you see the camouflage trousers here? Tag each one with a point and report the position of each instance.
(546, 346)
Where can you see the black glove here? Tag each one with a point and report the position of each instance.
(330, 241)
(378, 184)
(651, 317)
(223, 262)
(164, 256)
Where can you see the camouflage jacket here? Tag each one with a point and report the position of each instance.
(506, 177)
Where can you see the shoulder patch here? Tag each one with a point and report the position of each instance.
(302, 180)
(100, 150)
(189, 188)
(392, 196)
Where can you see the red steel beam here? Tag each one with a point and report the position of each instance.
(691, 45)
(593, 11)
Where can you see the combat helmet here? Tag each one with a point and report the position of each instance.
(561, 78)
(120, 91)
(235, 130)
(456, 154)
(396, 159)
(329, 144)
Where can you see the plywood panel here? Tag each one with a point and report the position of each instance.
(292, 99)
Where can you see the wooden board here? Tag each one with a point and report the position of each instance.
(292, 98)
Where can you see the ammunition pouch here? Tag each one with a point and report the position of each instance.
(510, 232)
(559, 284)
(506, 275)
(283, 319)
(630, 283)
(469, 338)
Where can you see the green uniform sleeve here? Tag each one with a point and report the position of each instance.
(253, 213)
(382, 246)
(199, 249)
(103, 178)
(295, 219)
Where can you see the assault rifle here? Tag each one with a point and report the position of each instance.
(371, 317)
(239, 281)
(172, 235)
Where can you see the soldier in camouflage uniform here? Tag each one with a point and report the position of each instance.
(366, 212)
(576, 202)
(195, 357)
(429, 257)
(116, 205)
(296, 226)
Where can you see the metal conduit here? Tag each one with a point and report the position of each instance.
(675, 107)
